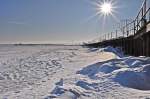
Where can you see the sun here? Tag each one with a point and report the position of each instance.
(106, 8)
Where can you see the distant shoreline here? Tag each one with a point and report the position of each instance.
(20, 44)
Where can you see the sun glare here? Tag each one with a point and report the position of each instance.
(106, 8)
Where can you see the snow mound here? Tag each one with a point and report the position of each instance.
(86, 85)
(132, 72)
(111, 79)
(116, 51)
(134, 78)
(136, 61)
(103, 67)
(63, 92)
(108, 68)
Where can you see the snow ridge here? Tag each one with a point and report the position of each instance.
(124, 77)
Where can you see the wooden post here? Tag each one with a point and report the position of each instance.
(148, 45)
(149, 15)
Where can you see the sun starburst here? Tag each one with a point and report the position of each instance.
(106, 8)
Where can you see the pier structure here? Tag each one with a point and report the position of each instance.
(133, 37)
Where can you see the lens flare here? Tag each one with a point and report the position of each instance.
(103, 10)
(106, 8)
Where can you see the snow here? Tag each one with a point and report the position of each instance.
(72, 72)
(116, 51)
(136, 79)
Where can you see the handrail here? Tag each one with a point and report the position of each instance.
(143, 4)
(132, 27)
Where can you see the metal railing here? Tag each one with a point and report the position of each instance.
(132, 27)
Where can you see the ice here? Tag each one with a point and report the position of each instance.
(31, 71)
(116, 51)
(123, 77)
(133, 79)
(72, 72)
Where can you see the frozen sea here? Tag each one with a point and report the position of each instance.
(71, 72)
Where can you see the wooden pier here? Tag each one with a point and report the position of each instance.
(134, 36)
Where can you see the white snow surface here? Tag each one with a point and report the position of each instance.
(72, 72)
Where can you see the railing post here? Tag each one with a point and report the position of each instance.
(111, 35)
(145, 6)
(134, 27)
(104, 37)
(137, 24)
(149, 15)
(127, 29)
(116, 34)
(143, 10)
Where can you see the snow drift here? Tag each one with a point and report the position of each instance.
(138, 78)
(116, 51)
(72, 72)
(123, 71)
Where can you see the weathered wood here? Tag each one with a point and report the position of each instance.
(136, 46)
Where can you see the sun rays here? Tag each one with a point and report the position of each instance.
(104, 9)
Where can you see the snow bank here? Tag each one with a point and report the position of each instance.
(105, 67)
(107, 77)
(136, 61)
(131, 72)
(138, 78)
(45, 72)
(116, 51)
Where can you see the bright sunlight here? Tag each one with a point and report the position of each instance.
(106, 8)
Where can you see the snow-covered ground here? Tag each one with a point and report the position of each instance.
(72, 72)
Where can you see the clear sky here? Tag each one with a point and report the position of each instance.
(57, 21)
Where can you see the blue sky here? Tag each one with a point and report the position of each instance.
(57, 21)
